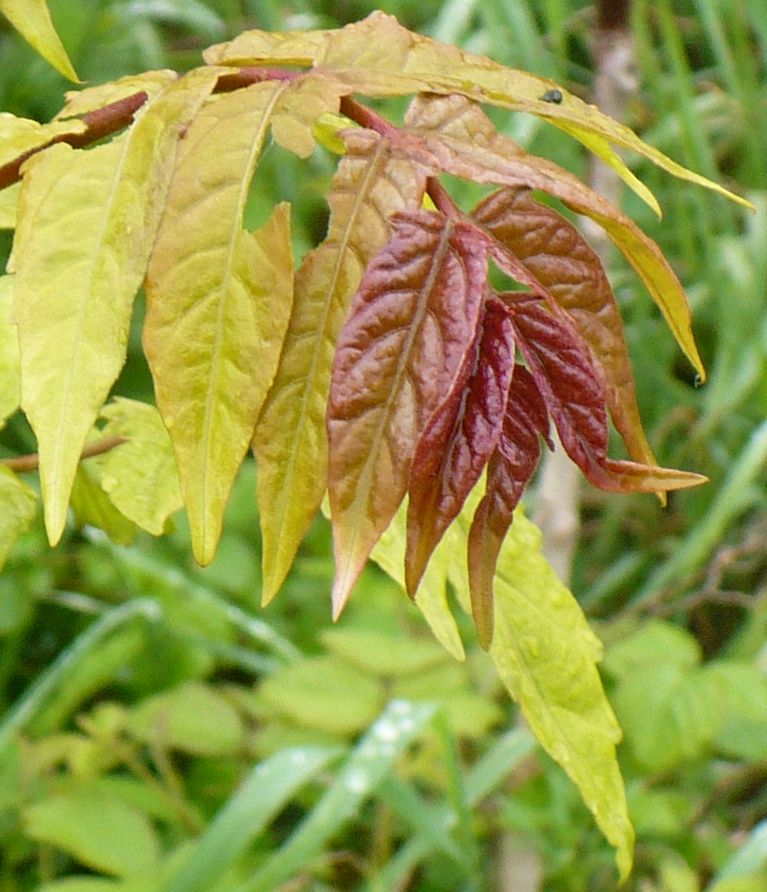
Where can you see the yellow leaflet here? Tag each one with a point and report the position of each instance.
(546, 656)
(87, 220)
(79, 102)
(431, 597)
(139, 476)
(378, 57)
(9, 354)
(326, 130)
(19, 135)
(290, 441)
(92, 507)
(545, 653)
(33, 21)
(268, 48)
(218, 303)
(9, 198)
(19, 504)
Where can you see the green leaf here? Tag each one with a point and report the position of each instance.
(263, 794)
(72, 349)
(94, 884)
(750, 857)
(370, 762)
(139, 476)
(638, 651)
(379, 653)
(218, 303)
(32, 19)
(742, 690)
(97, 830)
(324, 693)
(19, 503)
(290, 441)
(669, 714)
(193, 718)
(10, 393)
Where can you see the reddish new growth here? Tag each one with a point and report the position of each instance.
(437, 377)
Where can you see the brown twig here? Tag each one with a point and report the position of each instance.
(99, 123)
(23, 464)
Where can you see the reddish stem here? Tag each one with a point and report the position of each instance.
(99, 123)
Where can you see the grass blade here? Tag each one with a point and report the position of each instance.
(265, 791)
(370, 762)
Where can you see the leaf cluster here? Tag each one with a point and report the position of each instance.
(385, 366)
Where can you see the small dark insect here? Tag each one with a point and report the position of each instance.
(554, 96)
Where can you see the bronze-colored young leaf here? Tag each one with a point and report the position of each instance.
(411, 325)
(564, 372)
(218, 303)
(562, 261)
(290, 441)
(509, 470)
(464, 142)
(458, 440)
(73, 297)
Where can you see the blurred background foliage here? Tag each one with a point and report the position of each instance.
(159, 731)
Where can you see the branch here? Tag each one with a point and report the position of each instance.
(119, 114)
(100, 123)
(23, 464)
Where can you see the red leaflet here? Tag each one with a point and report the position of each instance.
(558, 256)
(564, 371)
(510, 468)
(459, 440)
(400, 353)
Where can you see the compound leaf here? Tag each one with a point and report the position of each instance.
(290, 440)
(218, 303)
(73, 296)
(399, 355)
